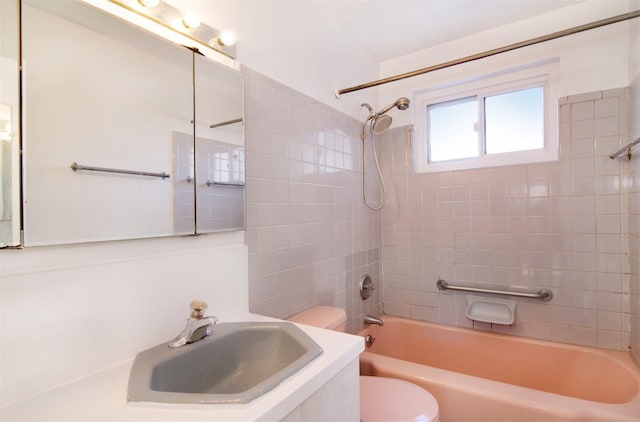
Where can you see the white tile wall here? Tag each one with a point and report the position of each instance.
(310, 237)
(182, 154)
(558, 225)
(561, 225)
(632, 283)
(220, 207)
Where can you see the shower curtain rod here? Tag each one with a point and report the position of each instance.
(532, 41)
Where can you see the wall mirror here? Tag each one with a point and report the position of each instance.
(219, 147)
(120, 134)
(9, 126)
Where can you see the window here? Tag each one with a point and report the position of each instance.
(504, 119)
(452, 129)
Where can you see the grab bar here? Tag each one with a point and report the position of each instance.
(626, 148)
(211, 183)
(78, 167)
(544, 295)
(225, 123)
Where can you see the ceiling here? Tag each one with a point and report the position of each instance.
(385, 29)
(393, 28)
(390, 29)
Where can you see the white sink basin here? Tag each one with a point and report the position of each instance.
(236, 364)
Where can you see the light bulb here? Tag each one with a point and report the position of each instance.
(227, 38)
(149, 3)
(190, 20)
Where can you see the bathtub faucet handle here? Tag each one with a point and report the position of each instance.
(366, 287)
(369, 339)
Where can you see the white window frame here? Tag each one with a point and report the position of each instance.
(542, 74)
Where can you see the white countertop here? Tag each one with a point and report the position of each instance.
(103, 396)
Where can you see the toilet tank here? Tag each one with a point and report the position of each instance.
(328, 317)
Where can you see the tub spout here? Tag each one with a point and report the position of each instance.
(368, 319)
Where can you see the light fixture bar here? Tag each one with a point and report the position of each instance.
(179, 21)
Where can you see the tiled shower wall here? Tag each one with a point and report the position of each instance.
(634, 218)
(310, 237)
(558, 225)
(220, 206)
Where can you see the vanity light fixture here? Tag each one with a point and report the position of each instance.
(190, 20)
(226, 39)
(185, 23)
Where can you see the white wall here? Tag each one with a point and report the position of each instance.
(69, 311)
(281, 47)
(589, 61)
(634, 43)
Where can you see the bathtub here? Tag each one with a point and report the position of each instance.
(482, 376)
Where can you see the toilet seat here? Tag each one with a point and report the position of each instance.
(386, 399)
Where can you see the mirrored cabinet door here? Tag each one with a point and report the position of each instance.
(126, 136)
(219, 147)
(9, 126)
(101, 95)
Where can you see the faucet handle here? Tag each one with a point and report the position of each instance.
(198, 308)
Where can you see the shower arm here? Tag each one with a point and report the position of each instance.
(368, 107)
(387, 108)
(373, 114)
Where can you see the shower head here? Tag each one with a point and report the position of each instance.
(402, 103)
(378, 123)
(381, 123)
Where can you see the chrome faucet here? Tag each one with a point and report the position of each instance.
(368, 319)
(198, 326)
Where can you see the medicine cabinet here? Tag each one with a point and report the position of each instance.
(126, 135)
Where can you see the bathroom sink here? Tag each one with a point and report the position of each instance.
(236, 364)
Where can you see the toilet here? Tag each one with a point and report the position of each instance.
(381, 399)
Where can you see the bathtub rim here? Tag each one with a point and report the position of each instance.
(558, 404)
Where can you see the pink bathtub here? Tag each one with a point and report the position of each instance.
(481, 376)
